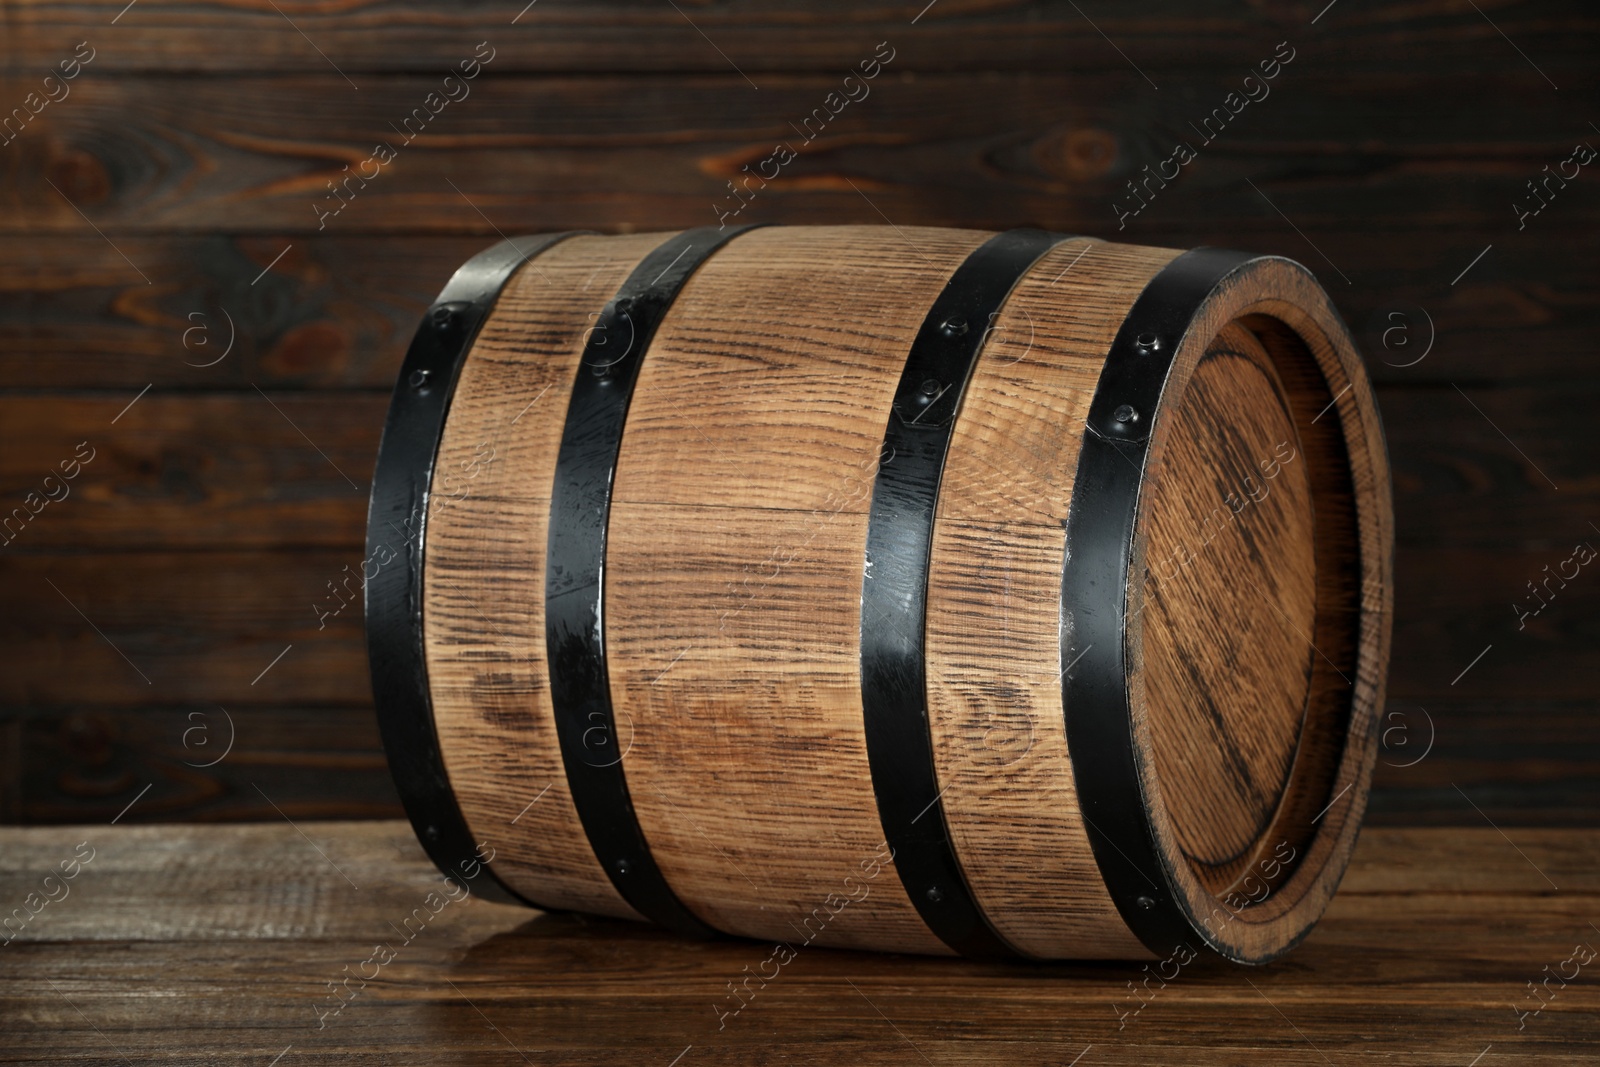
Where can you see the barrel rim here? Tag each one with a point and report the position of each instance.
(1121, 810)
(398, 501)
(1280, 301)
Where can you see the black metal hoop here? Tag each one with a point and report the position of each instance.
(894, 587)
(580, 508)
(397, 522)
(1094, 592)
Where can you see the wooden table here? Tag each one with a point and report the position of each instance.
(220, 944)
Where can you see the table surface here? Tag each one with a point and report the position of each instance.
(223, 944)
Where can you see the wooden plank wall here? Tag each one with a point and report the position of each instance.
(167, 202)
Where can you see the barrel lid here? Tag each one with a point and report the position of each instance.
(1221, 713)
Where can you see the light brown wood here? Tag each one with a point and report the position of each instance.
(484, 572)
(1230, 529)
(1256, 630)
(994, 604)
(1274, 891)
(734, 573)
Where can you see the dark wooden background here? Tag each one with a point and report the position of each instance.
(154, 199)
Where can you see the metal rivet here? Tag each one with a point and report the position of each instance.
(954, 326)
(623, 866)
(1145, 903)
(1125, 413)
(1147, 343)
(419, 377)
(431, 833)
(935, 894)
(931, 387)
(443, 316)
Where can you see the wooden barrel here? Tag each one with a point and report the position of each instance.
(924, 590)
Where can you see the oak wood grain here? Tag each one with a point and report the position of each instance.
(994, 598)
(1229, 681)
(1318, 811)
(734, 568)
(734, 667)
(484, 572)
(218, 944)
(224, 615)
